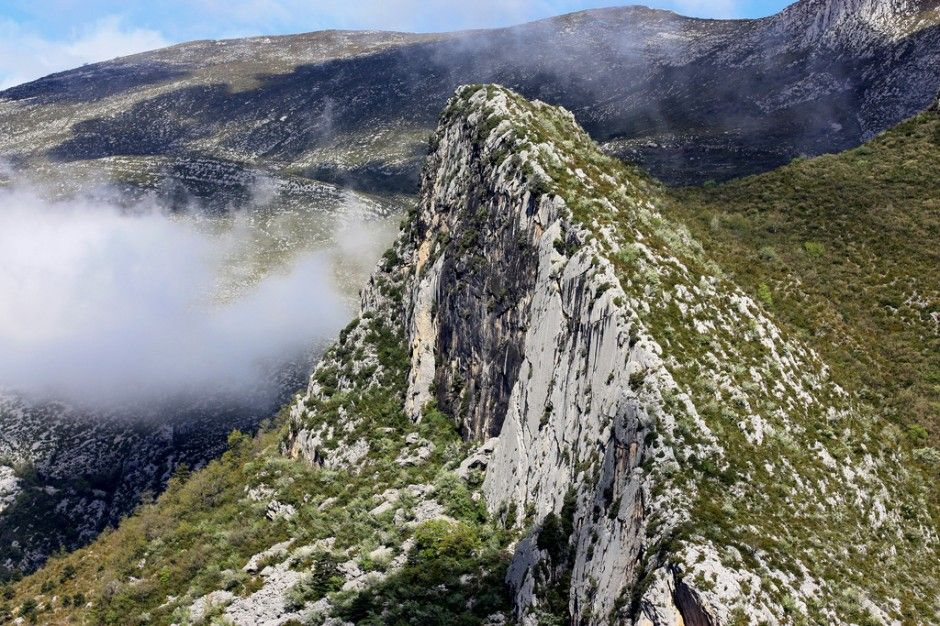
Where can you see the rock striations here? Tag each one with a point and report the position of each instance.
(669, 455)
(857, 23)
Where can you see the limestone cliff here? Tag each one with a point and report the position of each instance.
(669, 455)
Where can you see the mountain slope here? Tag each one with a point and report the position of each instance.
(213, 125)
(842, 249)
(663, 451)
(689, 99)
(83, 462)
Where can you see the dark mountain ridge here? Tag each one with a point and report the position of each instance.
(688, 99)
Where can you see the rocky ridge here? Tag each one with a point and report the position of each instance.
(215, 124)
(679, 457)
(858, 23)
(550, 387)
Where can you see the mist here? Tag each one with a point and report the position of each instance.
(107, 306)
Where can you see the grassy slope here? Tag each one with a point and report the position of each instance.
(200, 533)
(845, 249)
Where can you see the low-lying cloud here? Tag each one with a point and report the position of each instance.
(103, 305)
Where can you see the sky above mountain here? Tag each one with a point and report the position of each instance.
(38, 37)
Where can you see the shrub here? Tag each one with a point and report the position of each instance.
(814, 248)
(917, 434)
(764, 295)
(552, 538)
(768, 254)
(456, 499)
(68, 572)
(28, 609)
(628, 254)
(927, 456)
(324, 579)
(442, 540)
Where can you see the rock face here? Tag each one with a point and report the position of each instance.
(857, 22)
(9, 487)
(531, 345)
(662, 443)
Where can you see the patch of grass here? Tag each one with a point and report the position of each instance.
(853, 237)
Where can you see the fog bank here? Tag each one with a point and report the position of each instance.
(102, 305)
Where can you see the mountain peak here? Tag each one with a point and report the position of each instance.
(859, 22)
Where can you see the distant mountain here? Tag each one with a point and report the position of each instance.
(688, 99)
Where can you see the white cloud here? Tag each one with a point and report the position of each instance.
(26, 55)
(100, 305)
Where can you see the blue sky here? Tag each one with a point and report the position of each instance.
(38, 37)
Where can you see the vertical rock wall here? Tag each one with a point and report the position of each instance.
(518, 330)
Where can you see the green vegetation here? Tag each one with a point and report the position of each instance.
(199, 534)
(775, 479)
(848, 246)
(34, 519)
(432, 588)
(783, 472)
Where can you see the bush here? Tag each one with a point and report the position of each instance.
(768, 254)
(764, 295)
(442, 540)
(917, 434)
(927, 456)
(68, 572)
(814, 248)
(28, 609)
(453, 494)
(552, 538)
(324, 579)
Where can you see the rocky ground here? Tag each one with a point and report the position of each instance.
(578, 407)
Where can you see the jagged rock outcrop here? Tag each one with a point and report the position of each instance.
(673, 456)
(9, 487)
(857, 23)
